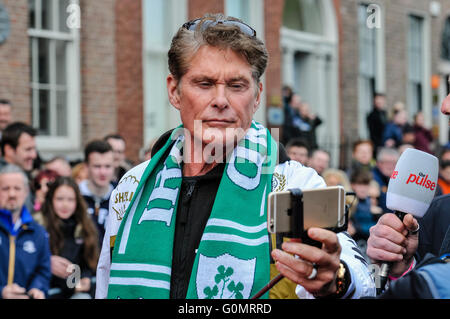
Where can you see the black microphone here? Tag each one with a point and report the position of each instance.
(410, 190)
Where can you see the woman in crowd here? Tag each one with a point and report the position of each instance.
(73, 240)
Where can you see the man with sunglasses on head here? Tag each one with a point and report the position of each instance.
(192, 221)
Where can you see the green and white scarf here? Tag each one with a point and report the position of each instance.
(232, 260)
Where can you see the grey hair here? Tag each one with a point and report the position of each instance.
(187, 42)
(14, 169)
(386, 152)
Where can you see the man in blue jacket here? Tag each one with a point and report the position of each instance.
(24, 247)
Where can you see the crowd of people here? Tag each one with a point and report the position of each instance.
(82, 230)
(373, 160)
(53, 213)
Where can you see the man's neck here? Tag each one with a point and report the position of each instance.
(197, 169)
(15, 215)
(99, 191)
(200, 160)
(8, 160)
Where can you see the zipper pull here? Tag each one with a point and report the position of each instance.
(188, 192)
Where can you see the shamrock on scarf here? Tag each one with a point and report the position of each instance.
(223, 276)
(210, 293)
(236, 289)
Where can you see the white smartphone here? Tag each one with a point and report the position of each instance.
(322, 208)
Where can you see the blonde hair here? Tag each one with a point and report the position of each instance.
(344, 182)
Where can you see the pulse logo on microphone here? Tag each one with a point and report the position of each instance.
(410, 190)
(422, 180)
(413, 183)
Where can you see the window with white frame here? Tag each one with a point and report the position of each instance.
(415, 63)
(303, 15)
(249, 11)
(370, 63)
(238, 9)
(161, 20)
(252, 13)
(54, 73)
(445, 53)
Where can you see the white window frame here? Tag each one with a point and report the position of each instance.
(73, 92)
(426, 67)
(322, 71)
(379, 71)
(256, 21)
(159, 117)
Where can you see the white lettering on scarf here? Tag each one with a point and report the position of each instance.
(165, 193)
(257, 136)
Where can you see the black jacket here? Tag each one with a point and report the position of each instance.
(434, 241)
(434, 233)
(73, 250)
(376, 121)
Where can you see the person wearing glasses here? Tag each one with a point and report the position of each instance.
(192, 221)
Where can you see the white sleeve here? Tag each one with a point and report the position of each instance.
(104, 262)
(292, 174)
(362, 283)
(118, 204)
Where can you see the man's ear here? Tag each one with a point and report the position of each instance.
(8, 151)
(173, 91)
(258, 97)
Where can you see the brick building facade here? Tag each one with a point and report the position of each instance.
(120, 48)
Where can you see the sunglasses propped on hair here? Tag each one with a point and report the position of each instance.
(245, 28)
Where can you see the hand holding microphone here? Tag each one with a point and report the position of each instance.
(411, 189)
(391, 241)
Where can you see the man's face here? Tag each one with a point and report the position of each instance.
(401, 118)
(446, 156)
(13, 191)
(445, 173)
(299, 154)
(386, 165)
(100, 168)
(218, 90)
(305, 110)
(5, 116)
(118, 147)
(361, 190)
(24, 154)
(363, 153)
(319, 161)
(296, 102)
(380, 102)
(420, 119)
